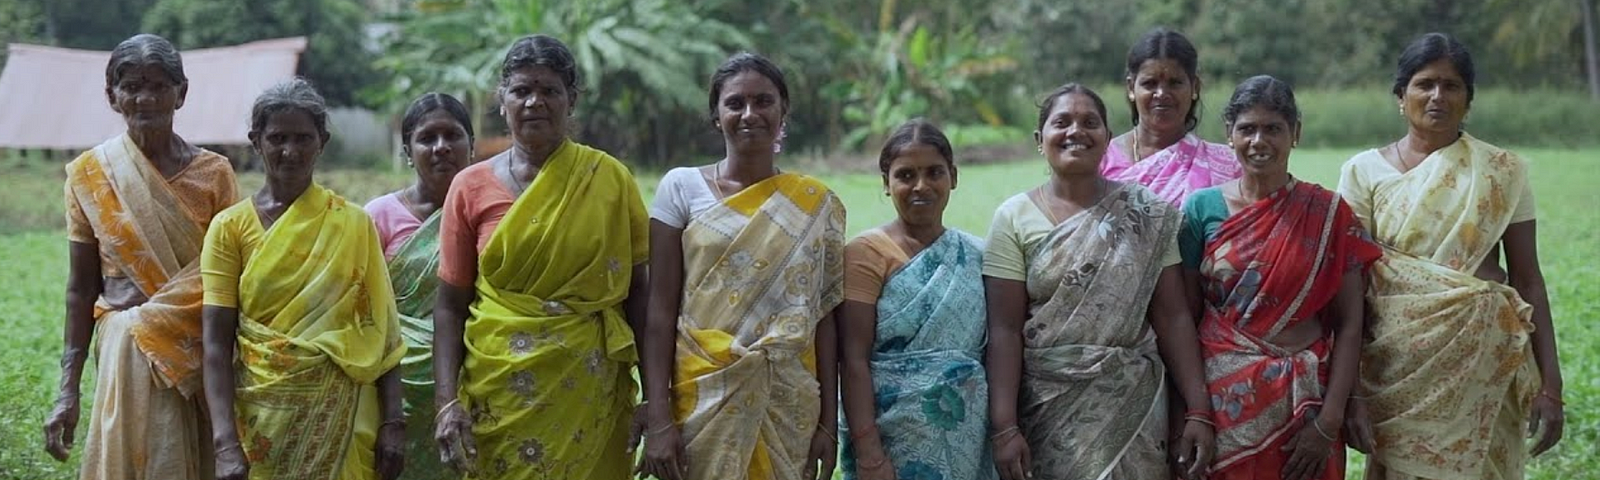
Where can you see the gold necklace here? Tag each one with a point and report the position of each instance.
(716, 179)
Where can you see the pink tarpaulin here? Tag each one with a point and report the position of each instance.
(55, 97)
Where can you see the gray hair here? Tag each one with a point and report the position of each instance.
(141, 50)
(296, 94)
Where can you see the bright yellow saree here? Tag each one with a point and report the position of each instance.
(317, 327)
(1447, 372)
(761, 269)
(145, 422)
(548, 352)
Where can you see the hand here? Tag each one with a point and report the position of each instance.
(453, 432)
(664, 454)
(1194, 450)
(824, 449)
(1011, 456)
(1358, 426)
(1309, 450)
(231, 464)
(1547, 420)
(874, 466)
(636, 429)
(60, 426)
(390, 449)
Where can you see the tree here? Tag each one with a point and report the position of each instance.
(92, 24)
(20, 21)
(336, 60)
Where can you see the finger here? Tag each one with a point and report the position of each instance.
(1548, 437)
(1027, 459)
(827, 466)
(469, 444)
(810, 472)
(1197, 462)
(1291, 468)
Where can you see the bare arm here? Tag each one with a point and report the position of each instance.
(1177, 339)
(827, 349)
(1007, 305)
(450, 314)
(1522, 265)
(858, 332)
(659, 344)
(84, 285)
(220, 337)
(637, 306)
(1349, 318)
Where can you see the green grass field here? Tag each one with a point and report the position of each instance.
(34, 259)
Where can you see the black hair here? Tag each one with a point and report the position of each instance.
(1068, 89)
(917, 131)
(1167, 44)
(145, 49)
(431, 102)
(747, 62)
(1430, 48)
(1262, 91)
(296, 94)
(541, 51)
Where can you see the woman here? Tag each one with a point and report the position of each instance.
(749, 271)
(542, 254)
(294, 279)
(138, 207)
(436, 137)
(1275, 267)
(912, 327)
(1457, 361)
(1162, 152)
(1077, 273)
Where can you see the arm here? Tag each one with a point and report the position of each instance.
(83, 288)
(450, 314)
(1007, 302)
(220, 337)
(1522, 263)
(825, 441)
(1177, 338)
(665, 456)
(1349, 318)
(858, 332)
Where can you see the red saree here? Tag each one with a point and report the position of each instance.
(1271, 266)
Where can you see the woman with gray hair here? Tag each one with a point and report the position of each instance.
(137, 210)
(295, 283)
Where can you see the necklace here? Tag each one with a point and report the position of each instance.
(716, 179)
(1099, 194)
(515, 182)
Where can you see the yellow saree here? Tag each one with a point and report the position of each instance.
(1447, 370)
(548, 352)
(317, 327)
(150, 231)
(761, 269)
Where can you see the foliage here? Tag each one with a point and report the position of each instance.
(21, 21)
(92, 24)
(337, 59)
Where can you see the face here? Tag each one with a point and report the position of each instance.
(750, 111)
(1163, 93)
(1074, 136)
(1261, 139)
(146, 97)
(289, 144)
(536, 104)
(1435, 99)
(919, 181)
(439, 148)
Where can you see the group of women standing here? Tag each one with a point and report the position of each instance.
(1159, 307)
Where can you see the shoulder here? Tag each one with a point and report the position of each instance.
(75, 168)
(1201, 197)
(1363, 161)
(232, 217)
(384, 206)
(211, 163)
(679, 177)
(472, 178)
(1499, 158)
(968, 239)
(1141, 198)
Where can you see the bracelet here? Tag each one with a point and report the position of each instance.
(1196, 412)
(832, 435)
(1003, 434)
(659, 429)
(1201, 420)
(1552, 397)
(862, 433)
(401, 421)
(446, 406)
(879, 463)
(1318, 425)
(234, 446)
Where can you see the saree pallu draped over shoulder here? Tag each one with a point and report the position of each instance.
(927, 371)
(761, 269)
(317, 327)
(1447, 370)
(146, 423)
(1271, 267)
(546, 375)
(1093, 400)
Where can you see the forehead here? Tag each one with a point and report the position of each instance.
(917, 155)
(534, 74)
(1260, 115)
(1441, 69)
(1074, 104)
(142, 72)
(438, 118)
(1161, 68)
(290, 120)
(748, 83)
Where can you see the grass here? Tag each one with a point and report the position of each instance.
(34, 272)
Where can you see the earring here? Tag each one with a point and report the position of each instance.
(408, 163)
(1194, 98)
(1402, 110)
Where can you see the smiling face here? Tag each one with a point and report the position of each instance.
(1435, 100)
(536, 103)
(1261, 139)
(290, 144)
(919, 181)
(439, 149)
(1163, 93)
(147, 98)
(750, 112)
(1074, 135)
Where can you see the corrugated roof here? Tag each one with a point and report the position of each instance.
(55, 97)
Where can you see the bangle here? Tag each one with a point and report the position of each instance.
(879, 463)
(832, 435)
(862, 433)
(659, 429)
(1318, 425)
(1553, 397)
(1006, 433)
(446, 406)
(1196, 412)
(234, 446)
(1201, 420)
(401, 421)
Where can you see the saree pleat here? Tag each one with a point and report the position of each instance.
(546, 376)
(1271, 267)
(1447, 370)
(317, 327)
(927, 372)
(761, 269)
(1092, 401)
